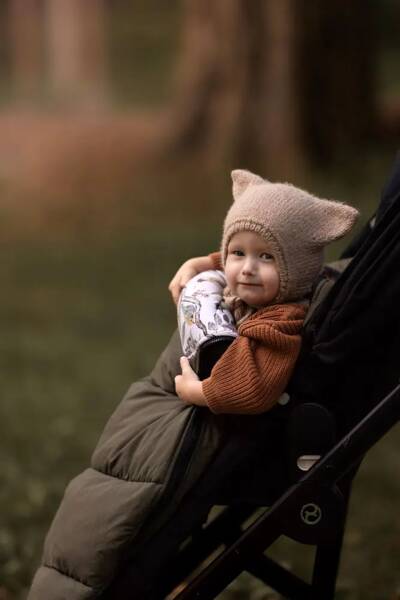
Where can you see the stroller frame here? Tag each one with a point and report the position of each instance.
(325, 489)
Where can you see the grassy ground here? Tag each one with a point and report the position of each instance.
(79, 323)
(80, 320)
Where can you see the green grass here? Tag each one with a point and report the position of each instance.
(80, 321)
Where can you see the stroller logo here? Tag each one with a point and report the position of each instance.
(310, 513)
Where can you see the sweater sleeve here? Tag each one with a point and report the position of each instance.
(217, 261)
(254, 371)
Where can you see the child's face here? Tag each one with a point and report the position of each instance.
(250, 269)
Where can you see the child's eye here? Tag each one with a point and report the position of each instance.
(238, 252)
(266, 256)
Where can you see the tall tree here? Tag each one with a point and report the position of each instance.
(76, 44)
(337, 50)
(26, 46)
(274, 81)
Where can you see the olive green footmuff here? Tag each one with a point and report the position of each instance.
(150, 454)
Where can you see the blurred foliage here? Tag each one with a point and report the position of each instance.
(143, 40)
(389, 56)
(143, 44)
(5, 66)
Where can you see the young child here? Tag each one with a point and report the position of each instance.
(271, 253)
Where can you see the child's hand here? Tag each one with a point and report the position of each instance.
(188, 386)
(189, 269)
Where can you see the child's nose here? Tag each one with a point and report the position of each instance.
(248, 266)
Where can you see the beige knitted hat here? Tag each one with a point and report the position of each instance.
(297, 225)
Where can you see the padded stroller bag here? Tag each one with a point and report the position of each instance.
(151, 453)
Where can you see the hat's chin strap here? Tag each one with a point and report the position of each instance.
(239, 309)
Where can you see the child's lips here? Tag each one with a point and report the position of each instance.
(249, 284)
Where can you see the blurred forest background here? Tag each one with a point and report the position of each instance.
(119, 123)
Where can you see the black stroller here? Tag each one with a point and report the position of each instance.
(344, 396)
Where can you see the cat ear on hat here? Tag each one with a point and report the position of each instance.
(242, 179)
(333, 220)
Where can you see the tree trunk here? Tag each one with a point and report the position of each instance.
(235, 81)
(26, 47)
(337, 49)
(77, 50)
(271, 83)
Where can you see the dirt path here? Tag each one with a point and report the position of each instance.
(48, 152)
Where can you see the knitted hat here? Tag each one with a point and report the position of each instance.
(295, 223)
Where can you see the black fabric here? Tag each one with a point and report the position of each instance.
(390, 194)
(391, 190)
(349, 358)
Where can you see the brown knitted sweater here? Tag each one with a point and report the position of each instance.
(254, 371)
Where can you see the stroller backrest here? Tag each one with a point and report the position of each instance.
(350, 351)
